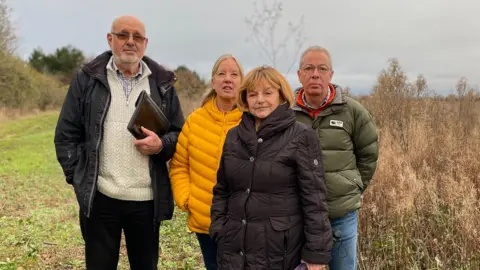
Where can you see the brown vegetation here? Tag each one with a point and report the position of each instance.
(422, 210)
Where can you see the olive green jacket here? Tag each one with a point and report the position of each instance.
(349, 143)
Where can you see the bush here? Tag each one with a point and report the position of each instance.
(24, 88)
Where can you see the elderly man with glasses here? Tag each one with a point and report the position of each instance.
(349, 143)
(121, 183)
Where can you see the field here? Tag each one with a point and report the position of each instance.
(422, 210)
(38, 211)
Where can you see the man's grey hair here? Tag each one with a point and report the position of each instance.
(315, 49)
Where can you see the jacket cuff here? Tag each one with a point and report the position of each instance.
(161, 147)
(316, 257)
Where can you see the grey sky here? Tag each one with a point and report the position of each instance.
(437, 38)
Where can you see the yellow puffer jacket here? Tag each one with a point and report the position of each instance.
(193, 168)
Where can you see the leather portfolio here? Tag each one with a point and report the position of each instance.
(149, 115)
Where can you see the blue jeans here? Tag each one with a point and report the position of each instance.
(344, 250)
(209, 251)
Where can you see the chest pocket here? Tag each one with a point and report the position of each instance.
(335, 133)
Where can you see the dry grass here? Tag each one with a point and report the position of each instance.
(422, 210)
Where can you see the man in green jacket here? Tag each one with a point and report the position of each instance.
(349, 143)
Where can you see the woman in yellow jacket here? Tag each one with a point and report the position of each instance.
(193, 168)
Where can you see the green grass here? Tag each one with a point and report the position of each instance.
(39, 214)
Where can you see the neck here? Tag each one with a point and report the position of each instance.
(225, 105)
(128, 69)
(316, 101)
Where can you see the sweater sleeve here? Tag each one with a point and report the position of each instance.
(180, 169)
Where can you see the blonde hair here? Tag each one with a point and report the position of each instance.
(268, 75)
(210, 92)
(316, 49)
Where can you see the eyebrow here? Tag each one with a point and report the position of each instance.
(135, 32)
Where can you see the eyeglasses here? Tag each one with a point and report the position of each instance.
(311, 68)
(126, 36)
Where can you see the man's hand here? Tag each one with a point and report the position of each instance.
(149, 145)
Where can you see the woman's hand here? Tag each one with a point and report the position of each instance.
(311, 266)
(315, 266)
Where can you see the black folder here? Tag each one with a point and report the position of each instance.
(149, 115)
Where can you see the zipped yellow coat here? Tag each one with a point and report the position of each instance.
(193, 168)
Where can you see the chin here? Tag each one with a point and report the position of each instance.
(128, 59)
(261, 115)
(314, 92)
(227, 95)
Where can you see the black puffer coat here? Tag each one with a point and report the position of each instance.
(269, 209)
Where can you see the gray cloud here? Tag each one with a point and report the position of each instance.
(436, 38)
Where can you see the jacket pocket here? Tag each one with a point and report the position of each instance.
(284, 238)
(80, 165)
(343, 183)
(354, 177)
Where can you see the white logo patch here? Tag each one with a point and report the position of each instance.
(336, 123)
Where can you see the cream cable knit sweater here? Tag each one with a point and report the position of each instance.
(124, 172)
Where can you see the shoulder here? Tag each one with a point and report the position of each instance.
(301, 133)
(160, 74)
(199, 116)
(232, 133)
(355, 106)
(231, 140)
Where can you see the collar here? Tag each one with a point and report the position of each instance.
(230, 117)
(112, 66)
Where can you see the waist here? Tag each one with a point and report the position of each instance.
(257, 208)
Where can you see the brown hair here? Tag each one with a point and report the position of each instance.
(268, 75)
(210, 92)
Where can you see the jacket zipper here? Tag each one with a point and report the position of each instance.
(94, 186)
(285, 250)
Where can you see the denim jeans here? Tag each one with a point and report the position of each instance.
(344, 250)
(209, 251)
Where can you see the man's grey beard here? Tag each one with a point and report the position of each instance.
(124, 61)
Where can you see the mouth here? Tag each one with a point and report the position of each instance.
(227, 88)
(315, 86)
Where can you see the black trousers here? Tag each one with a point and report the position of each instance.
(103, 230)
(209, 251)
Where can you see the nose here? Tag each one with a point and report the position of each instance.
(130, 41)
(316, 73)
(260, 98)
(227, 78)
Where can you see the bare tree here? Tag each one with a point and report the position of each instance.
(8, 39)
(264, 27)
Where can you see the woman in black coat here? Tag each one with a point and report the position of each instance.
(269, 207)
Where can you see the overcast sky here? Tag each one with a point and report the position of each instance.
(437, 38)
